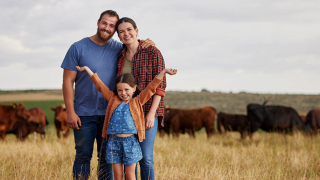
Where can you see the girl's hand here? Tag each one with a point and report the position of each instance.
(171, 71)
(85, 68)
(168, 71)
(81, 69)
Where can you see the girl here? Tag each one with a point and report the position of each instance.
(124, 120)
(144, 64)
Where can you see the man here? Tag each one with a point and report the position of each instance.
(85, 106)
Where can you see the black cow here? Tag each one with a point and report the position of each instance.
(23, 128)
(274, 118)
(233, 122)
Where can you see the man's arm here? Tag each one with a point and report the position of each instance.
(69, 77)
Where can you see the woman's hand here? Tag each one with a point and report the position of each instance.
(149, 120)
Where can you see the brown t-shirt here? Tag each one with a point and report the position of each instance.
(127, 66)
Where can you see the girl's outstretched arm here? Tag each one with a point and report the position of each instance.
(146, 94)
(168, 71)
(105, 91)
(85, 68)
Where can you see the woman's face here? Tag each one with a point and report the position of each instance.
(127, 34)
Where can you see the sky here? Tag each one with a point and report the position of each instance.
(266, 46)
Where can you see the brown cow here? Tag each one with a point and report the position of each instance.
(313, 119)
(23, 128)
(60, 120)
(189, 119)
(39, 116)
(10, 114)
(233, 122)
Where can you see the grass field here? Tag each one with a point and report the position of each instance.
(267, 156)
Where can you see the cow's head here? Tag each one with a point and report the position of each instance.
(21, 111)
(60, 113)
(37, 127)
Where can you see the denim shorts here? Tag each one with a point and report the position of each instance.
(124, 150)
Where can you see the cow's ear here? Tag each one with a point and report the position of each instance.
(14, 105)
(53, 109)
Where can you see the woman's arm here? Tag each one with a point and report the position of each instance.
(105, 91)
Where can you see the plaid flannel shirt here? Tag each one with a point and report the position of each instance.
(146, 64)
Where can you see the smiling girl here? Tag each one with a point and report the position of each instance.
(124, 121)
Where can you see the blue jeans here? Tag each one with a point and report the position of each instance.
(91, 129)
(146, 163)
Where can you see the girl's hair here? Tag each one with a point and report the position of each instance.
(126, 19)
(126, 78)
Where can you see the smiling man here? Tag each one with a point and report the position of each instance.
(85, 106)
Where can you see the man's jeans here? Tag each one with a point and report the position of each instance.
(91, 129)
(146, 163)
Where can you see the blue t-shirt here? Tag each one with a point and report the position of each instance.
(88, 101)
(121, 121)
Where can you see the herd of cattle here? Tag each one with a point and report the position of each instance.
(268, 118)
(17, 119)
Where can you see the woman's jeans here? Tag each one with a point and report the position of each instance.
(90, 129)
(146, 163)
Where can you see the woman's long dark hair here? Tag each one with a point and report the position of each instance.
(129, 79)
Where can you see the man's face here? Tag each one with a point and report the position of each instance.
(106, 27)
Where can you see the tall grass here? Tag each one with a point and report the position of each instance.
(267, 156)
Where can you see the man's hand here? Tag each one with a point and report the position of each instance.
(149, 120)
(73, 121)
(146, 43)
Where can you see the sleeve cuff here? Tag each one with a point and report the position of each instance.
(94, 77)
(160, 92)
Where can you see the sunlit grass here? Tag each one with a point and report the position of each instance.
(267, 156)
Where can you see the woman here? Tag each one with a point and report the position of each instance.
(144, 64)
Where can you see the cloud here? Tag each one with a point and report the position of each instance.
(12, 45)
(20, 76)
(240, 42)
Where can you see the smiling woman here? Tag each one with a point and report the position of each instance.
(144, 64)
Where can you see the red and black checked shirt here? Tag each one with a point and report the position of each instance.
(146, 64)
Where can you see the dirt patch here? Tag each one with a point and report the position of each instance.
(43, 96)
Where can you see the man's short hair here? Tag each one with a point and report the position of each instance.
(110, 13)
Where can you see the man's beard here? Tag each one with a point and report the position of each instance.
(103, 36)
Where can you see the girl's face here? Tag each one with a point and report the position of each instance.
(125, 92)
(127, 34)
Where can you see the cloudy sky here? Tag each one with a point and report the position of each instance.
(266, 46)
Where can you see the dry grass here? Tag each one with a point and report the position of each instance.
(267, 156)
